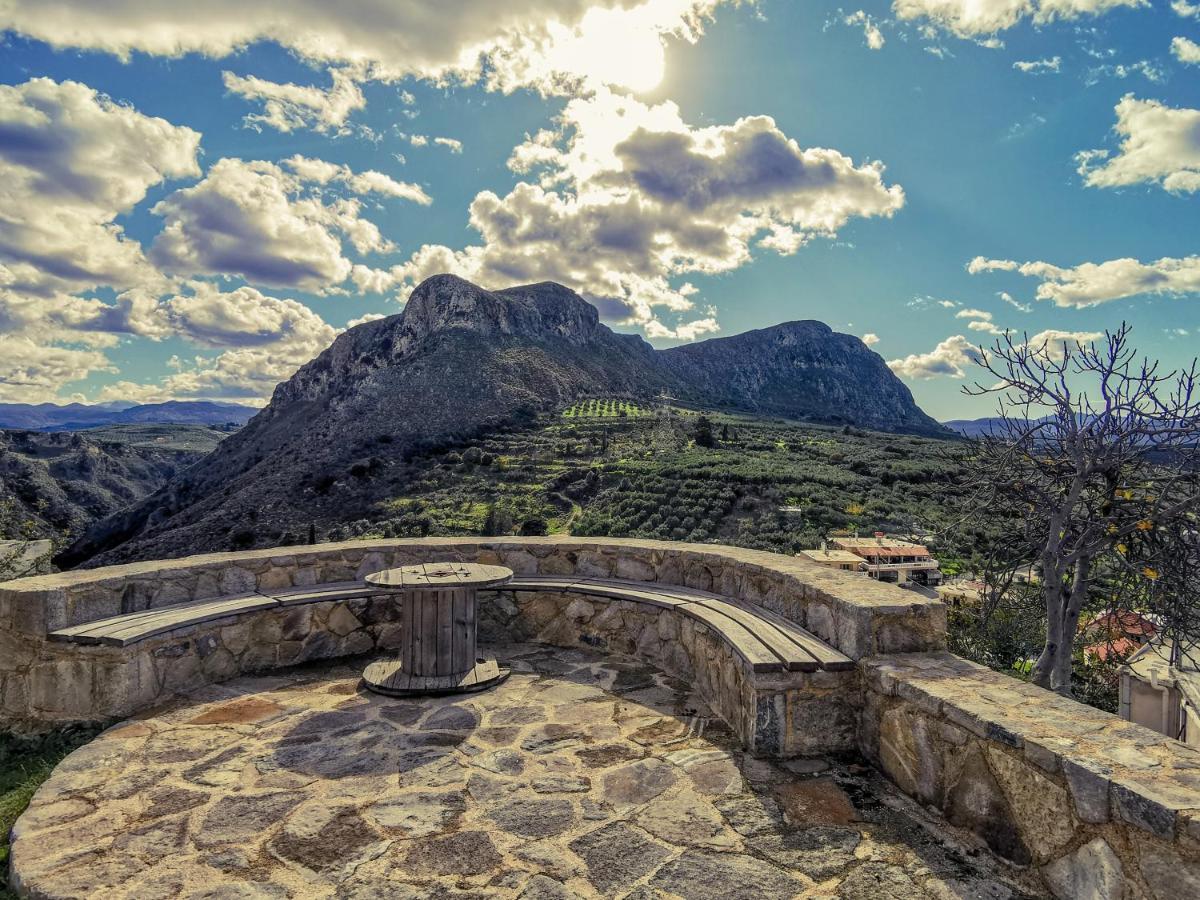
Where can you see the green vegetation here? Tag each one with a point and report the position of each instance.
(24, 764)
(187, 438)
(609, 408)
(757, 483)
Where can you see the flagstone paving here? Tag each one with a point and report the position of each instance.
(581, 776)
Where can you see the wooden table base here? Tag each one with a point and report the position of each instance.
(387, 676)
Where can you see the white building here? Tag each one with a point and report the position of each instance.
(891, 559)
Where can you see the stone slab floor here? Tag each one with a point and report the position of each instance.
(582, 776)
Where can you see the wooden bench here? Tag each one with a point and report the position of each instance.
(128, 629)
(765, 641)
(782, 690)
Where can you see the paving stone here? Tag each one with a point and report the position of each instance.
(608, 755)
(879, 881)
(419, 814)
(617, 855)
(530, 818)
(562, 784)
(820, 853)
(751, 815)
(241, 818)
(464, 853)
(731, 876)
(638, 782)
(687, 821)
(539, 887)
(320, 841)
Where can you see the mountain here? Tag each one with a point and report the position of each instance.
(76, 416)
(62, 483)
(460, 361)
(975, 428)
(798, 370)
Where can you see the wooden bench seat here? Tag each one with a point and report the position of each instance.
(767, 642)
(124, 630)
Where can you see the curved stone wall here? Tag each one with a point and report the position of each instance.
(42, 682)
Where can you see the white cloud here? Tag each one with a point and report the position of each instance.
(951, 358)
(1039, 66)
(31, 372)
(71, 161)
(627, 196)
(271, 226)
(364, 318)
(1148, 69)
(1091, 284)
(321, 171)
(870, 339)
(264, 339)
(549, 45)
(981, 320)
(1159, 144)
(1186, 10)
(1014, 302)
(243, 317)
(972, 18)
(451, 144)
(871, 33)
(1186, 51)
(288, 107)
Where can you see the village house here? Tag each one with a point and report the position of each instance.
(892, 559)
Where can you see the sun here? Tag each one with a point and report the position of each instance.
(615, 48)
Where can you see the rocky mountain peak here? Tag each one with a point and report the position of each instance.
(544, 310)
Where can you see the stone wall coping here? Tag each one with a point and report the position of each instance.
(1115, 770)
(855, 589)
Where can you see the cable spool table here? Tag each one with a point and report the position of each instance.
(438, 653)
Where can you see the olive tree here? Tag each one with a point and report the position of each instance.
(1093, 462)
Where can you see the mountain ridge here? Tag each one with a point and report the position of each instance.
(459, 361)
(78, 416)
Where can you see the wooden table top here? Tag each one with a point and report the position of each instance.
(439, 576)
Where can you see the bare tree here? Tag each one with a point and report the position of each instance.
(1095, 458)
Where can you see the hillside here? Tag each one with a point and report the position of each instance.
(78, 416)
(61, 483)
(459, 363)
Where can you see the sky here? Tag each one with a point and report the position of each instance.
(196, 198)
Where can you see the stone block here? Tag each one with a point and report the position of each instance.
(909, 755)
(62, 689)
(1039, 805)
(341, 621)
(975, 801)
(1093, 871)
(238, 580)
(1142, 806)
(1089, 786)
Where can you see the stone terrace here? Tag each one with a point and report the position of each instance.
(581, 776)
(1078, 802)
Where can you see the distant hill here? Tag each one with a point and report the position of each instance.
(77, 416)
(461, 361)
(977, 427)
(62, 483)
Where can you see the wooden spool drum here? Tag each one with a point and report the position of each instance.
(438, 653)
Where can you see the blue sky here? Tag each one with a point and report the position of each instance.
(197, 204)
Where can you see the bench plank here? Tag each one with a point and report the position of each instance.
(321, 593)
(794, 657)
(794, 647)
(121, 631)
